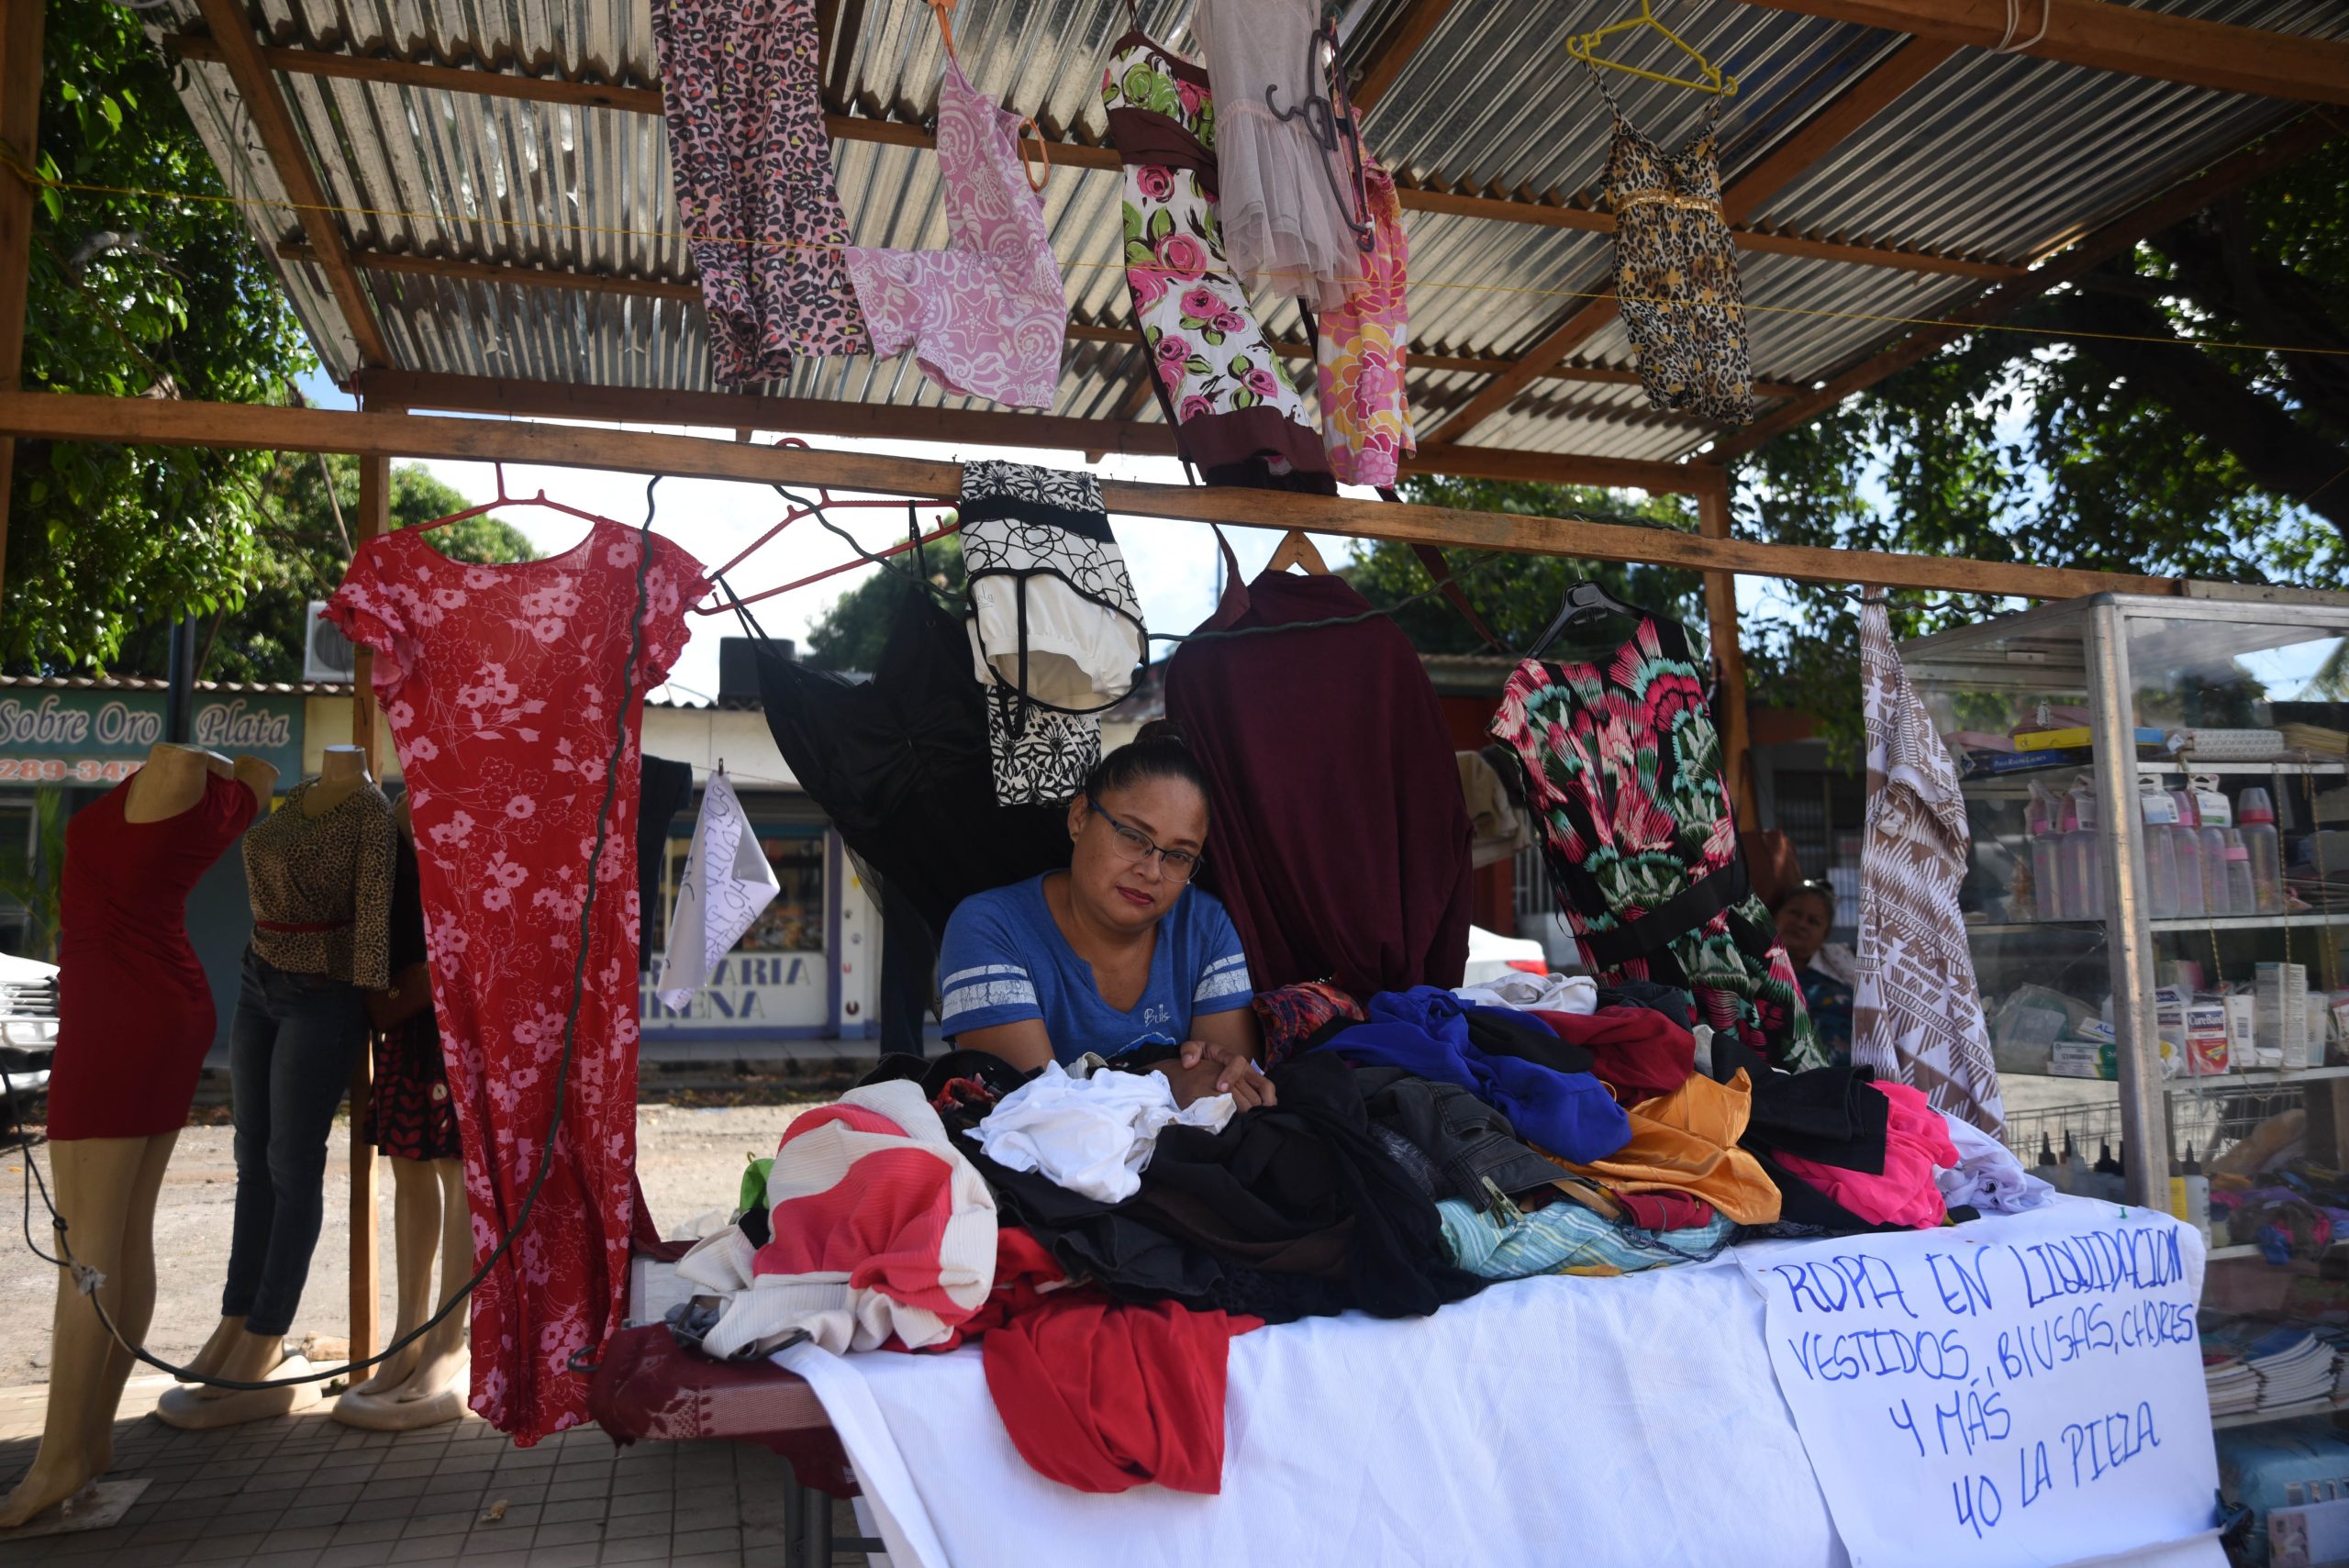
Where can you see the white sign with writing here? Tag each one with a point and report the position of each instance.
(2022, 1389)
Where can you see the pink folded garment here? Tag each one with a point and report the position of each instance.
(1916, 1142)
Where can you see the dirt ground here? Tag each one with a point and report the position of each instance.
(690, 1158)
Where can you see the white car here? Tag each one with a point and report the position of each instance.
(28, 1027)
(1491, 956)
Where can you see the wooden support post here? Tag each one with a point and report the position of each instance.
(1720, 620)
(20, 44)
(366, 1293)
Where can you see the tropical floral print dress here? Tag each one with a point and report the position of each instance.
(1237, 416)
(1623, 771)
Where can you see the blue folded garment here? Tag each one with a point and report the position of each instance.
(1425, 1030)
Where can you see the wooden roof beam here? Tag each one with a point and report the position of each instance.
(1819, 135)
(426, 74)
(2180, 202)
(1394, 49)
(236, 48)
(689, 292)
(168, 422)
(827, 416)
(2133, 40)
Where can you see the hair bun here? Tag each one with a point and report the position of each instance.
(1167, 731)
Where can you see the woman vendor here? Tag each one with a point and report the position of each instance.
(1804, 919)
(1119, 952)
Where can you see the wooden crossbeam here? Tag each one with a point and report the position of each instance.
(2180, 202)
(1065, 153)
(1826, 130)
(234, 48)
(165, 422)
(689, 292)
(2135, 40)
(965, 426)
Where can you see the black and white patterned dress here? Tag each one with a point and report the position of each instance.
(1055, 630)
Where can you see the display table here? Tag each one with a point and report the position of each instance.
(1635, 1419)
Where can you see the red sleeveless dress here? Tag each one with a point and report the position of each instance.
(134, 1012)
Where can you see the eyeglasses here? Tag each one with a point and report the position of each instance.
(1178, 865)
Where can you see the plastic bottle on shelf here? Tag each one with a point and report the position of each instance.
(2048, 1172)
(2050, 899)
(2198, 1194)
(2257, 816)
(2176, 1188)
(2108, 1174)
(2215, 814)
(2242, 898)
(2186, 841)
(2083, 856)
(2077, 1178)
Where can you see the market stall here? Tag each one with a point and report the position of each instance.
(458, 216)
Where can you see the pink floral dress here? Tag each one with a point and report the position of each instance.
(503, 685)
(1236, 415)
(1365, 412)
(985, 317)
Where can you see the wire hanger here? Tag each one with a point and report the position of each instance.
(801, 506)
(1296, 550)
(503, 499)
(1709, 78)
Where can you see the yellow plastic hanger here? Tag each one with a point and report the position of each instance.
(1711, 79)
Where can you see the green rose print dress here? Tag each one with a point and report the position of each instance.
(1237, 417)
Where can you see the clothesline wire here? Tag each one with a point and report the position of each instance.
(690, 236)
(88, 1281)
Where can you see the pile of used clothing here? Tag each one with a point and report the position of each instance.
(1104, 1244)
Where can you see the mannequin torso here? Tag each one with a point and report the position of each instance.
(340, 776)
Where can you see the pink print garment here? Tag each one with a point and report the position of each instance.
(752, 169)
(503, 687)
(987, 316)
(1365, 413)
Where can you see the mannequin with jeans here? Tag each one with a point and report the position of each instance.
(321, 873)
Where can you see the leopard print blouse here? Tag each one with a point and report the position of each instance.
(1676, 274)
(321, 888)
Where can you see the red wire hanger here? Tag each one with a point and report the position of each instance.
(503, 499)
(820, 507)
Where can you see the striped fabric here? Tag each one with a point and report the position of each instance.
(988, 985)
(882, 1231)
(1227, 976)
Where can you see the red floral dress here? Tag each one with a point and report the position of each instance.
(502, 685)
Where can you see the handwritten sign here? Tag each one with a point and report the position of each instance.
(2024, 1389)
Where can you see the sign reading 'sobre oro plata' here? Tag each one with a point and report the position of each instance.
(100, 736)
(2024, 1389)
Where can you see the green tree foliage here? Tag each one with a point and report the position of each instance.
(2123, 428)
(259, 638)
(132, 297)
(850, 634)
(1518, 596)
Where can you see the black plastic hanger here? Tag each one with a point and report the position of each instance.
(1583, 601)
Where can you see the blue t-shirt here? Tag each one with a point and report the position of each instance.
(1004, 959)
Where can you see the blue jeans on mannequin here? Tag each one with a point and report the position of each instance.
(290, 1053)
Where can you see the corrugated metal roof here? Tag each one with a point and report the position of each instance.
(1990, 157)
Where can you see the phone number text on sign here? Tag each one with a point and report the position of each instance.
(60, 769)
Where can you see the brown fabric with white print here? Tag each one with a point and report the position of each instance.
(1917, 1013)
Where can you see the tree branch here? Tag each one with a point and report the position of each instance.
(2283, 455)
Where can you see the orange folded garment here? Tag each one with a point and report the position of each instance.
(1685, 1142)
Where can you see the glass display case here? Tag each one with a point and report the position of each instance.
(2158, 893)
